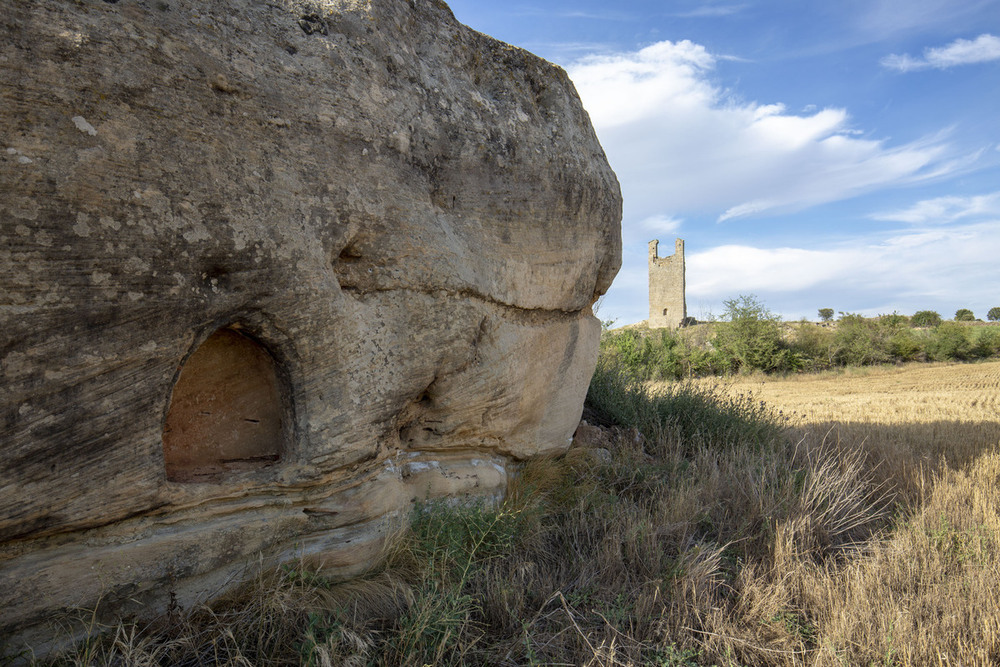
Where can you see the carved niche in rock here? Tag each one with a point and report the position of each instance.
(269, 273)
(227, 411)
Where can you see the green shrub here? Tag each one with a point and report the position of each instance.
(905, 346)
(893, 322)
(813, 345)
(987, 343)
(863, 341)
(925, 318)
(860, 341)
(950, 341)
(994, 314)
(750, 338)
(626, 345)
(900, 342)
(697, 414)
(662, 354)
(964, 315)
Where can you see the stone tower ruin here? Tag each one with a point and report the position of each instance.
(667, 307)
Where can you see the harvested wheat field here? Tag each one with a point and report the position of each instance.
(861, 526)
(913, 393)
(909, 420)
(928, 591)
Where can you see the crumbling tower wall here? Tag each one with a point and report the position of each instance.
(667, 306)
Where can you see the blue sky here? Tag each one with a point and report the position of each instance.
(817, 154)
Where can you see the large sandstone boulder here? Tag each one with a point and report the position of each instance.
(270, 272)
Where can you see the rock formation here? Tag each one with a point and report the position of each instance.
(270, 272)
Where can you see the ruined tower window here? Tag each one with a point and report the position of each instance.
(226, 413)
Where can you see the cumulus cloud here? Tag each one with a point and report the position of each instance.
(982, 49)
(944, 210)
(681, 143)
(715, 272)
(905, 271)
(909, 271)
(655, 79)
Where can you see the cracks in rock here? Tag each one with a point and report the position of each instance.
(478, 339)
(350, 253)
(413, 426)
(361, 283)
(516, 313)
(313, 23)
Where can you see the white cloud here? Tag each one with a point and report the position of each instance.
(665, 74)
(884, 18)
(710, 12)
(944, 210)
(982, 49)
(662, 224)
(904, 62)
(908, 271)
(575, 14)
(723, 271)
(902, 271)
(684, 148)
(681, 143)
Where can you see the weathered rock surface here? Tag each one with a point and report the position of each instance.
(388, 227)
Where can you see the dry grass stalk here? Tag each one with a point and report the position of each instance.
(845, 541)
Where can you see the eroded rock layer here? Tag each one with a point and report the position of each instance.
(356, 243)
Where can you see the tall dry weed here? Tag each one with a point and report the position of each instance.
(710, 536)
(929, 593)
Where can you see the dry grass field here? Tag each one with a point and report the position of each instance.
(927, 591)
(909, 394)
(909, 419)
(860, 527)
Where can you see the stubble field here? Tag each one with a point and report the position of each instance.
(914, 393)
(927, 591)
(830, 520)
(910, 420)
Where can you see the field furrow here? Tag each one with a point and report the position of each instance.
(911, 394)
(909, 419)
